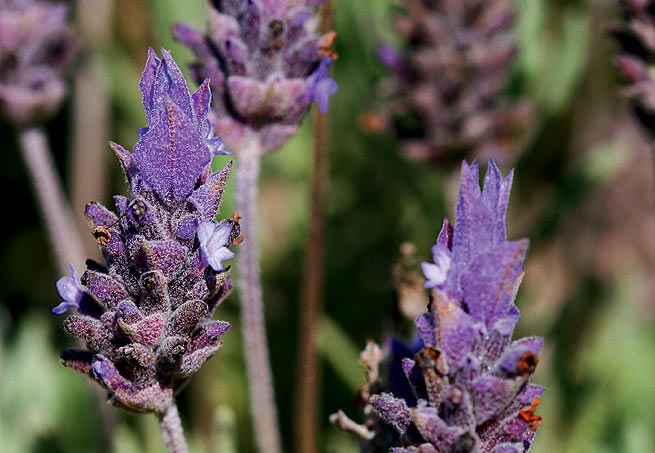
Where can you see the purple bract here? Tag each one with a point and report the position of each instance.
(265, 64)
(470, 383)
(145, 314)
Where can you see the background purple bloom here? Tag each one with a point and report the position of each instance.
(266, 64)
(36, 49)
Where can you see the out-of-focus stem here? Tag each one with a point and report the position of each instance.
(306, 415)
(260, 380)
(171, 430)
(50, 196)
(91, 104)
(311, 295)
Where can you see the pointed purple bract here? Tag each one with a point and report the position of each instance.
(175, 147)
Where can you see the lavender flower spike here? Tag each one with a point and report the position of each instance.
(36, 48)
(266, 64)
(448, 80)
(146, 313)
(469, 384)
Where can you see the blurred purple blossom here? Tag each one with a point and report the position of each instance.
(36, 49)
(448, 82)
(636, 36)
(266, 64)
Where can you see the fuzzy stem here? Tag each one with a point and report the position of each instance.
(171, 430)
(260, 380)
(50, 196)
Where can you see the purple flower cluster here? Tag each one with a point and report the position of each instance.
(636, 35)
(145, 315)
(266, 65)
(36, 49)
(449, 78)
(470, 384)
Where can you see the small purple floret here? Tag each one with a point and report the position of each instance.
(213, 243)
(70, 290)
(437, 271)
(322, 86)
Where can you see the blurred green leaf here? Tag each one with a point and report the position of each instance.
(341, 353)
(553, 45)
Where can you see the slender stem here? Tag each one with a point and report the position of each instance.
(50, 195)
(90, 101)
(171, 430)
(308, 372)
(260, 380)
(309, 366)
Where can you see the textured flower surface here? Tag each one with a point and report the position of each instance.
(636, 35)
(469, 384)
(146, 313)
(266, 65)
(448, 81)
(36, 48)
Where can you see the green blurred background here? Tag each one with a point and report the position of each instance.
(584, 195)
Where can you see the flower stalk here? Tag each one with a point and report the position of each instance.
(172, 432)
(260, 380)
(50, 196)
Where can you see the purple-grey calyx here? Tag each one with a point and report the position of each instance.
(145, 314)
(266, 64)
(470, 383)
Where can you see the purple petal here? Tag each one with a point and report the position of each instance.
(321, 86)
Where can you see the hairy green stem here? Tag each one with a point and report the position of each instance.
(51, 199)
(253, 328)
(171, 430)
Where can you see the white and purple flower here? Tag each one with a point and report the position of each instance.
(70, 290)
(213, 240)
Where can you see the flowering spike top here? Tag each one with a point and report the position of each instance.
(471, 383)
(266, 64)
(448, 80)
(636, 36)
(36, 49)
(146, 313)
